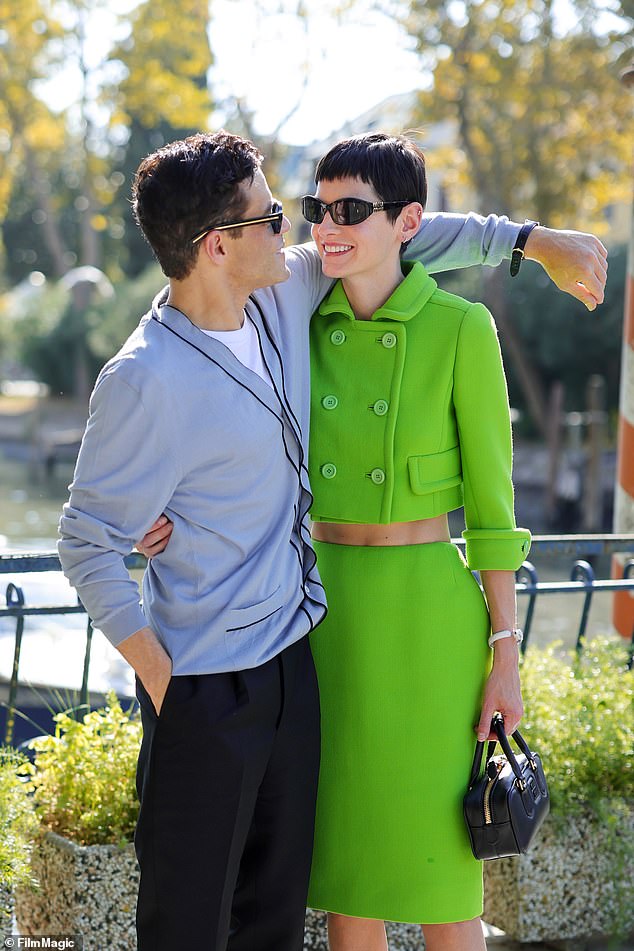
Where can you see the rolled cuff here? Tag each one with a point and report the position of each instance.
(123, 624)
(501, 549)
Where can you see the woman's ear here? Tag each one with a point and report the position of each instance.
(410, 219)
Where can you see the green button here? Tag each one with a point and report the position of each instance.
(338, 337)
(381, 407)
(388, 340)
(377, 476)
(330, 402)
(329, 470)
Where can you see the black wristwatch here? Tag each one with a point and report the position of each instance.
(517, 255)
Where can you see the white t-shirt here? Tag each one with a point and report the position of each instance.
(245, 345)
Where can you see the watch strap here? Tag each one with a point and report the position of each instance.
(517, 255)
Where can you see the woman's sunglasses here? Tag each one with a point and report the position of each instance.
(275, 220)
(345, 211)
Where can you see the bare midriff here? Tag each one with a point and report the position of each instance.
(422, 532)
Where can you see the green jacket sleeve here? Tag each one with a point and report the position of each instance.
(482, 410)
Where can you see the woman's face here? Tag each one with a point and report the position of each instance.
(349, 251)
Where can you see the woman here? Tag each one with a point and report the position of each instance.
(409, 419)
(409, 416)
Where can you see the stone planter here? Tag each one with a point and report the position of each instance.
(577, 882)
(401, 937)
(89, 890)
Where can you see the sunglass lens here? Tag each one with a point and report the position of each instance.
(351, 211)
(276, 223)
(313, 210)
(345, 211)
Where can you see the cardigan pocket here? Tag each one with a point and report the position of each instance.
(435, 471)
(241, 618)
(244, 625)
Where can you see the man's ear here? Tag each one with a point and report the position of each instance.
(410, 219)
(213, 245)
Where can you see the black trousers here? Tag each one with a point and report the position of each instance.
(227, 780)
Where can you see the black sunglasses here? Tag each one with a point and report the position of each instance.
(275, 220)
(345, 211)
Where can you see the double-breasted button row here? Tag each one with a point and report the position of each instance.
(379, 408)
(387, 340)
(329, 471)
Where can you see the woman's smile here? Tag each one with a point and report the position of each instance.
(337, 248)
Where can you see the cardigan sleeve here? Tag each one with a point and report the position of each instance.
(123, 480)
(447, 241)
(493, 542)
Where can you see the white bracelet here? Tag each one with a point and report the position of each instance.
(516, 634)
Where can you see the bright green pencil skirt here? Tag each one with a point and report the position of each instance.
(401, 658)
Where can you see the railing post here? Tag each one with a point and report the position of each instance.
(583, 571)
(15, 599)
(528, 569)
(83, 696)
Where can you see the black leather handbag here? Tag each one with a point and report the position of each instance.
(505, 806)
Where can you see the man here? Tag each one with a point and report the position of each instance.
(203, 415)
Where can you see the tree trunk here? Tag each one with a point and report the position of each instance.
(527, 375)
(50, 226)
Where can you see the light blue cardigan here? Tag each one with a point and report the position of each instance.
(178, 425)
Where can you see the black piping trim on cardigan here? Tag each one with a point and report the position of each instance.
(259, 620)
(218, 364)
(311, 557)
(269, 334)
(279, 418)
(287, 408)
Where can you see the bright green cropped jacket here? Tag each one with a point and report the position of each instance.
(410, 417)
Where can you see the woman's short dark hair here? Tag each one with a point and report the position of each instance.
(188, 185)
(392, 164)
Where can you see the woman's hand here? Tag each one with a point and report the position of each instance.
(502, 692)
(156, 539)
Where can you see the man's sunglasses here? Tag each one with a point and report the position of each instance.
(275, 219)
(345, 211)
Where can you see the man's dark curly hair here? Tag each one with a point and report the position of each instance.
(190, 185)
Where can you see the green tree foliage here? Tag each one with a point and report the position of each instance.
(542, 117)
(29, 131)
(162, 96)
(65, 347)
(66, 184)
(541, 120)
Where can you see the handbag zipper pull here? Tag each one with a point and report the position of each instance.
(494, 766)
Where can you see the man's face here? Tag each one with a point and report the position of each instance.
(257, 255)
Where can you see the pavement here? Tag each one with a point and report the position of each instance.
(497, 940)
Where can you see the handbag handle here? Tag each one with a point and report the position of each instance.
(497, 725)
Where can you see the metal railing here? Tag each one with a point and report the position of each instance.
(582, 581)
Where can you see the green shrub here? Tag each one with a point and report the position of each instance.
(83, 778)
(18, 824)
(580, 718)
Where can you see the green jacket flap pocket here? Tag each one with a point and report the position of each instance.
(435, 471)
